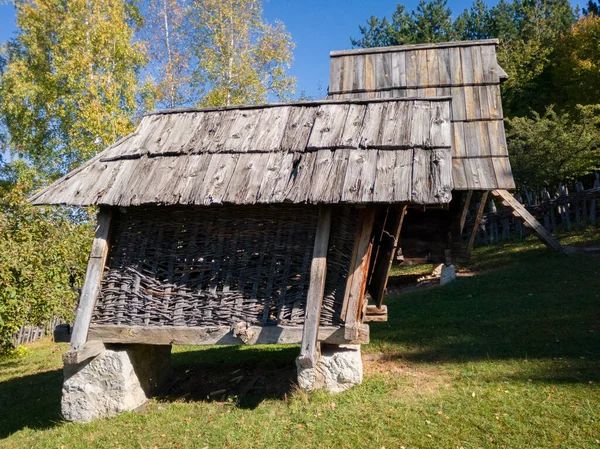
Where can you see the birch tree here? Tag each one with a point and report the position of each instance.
(167, 38)
(241, 58)
(68, 86)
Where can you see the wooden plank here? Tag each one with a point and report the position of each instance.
(336, 68)
(444, 67)
(270, 130)
(353, 126)
(385, 257)
(494, 101)
(402, 175)
(298, 128)
(374, 114)
(440, 179)
(478, 216)
(309, 350)
(328, 176)
(412, 69)
(93, 276)
(490, 67)
(383, 191)
(91, 349)
(216, 142)
(477, 64)
(348, 78)
(440, 126)
(298, 186)
(246, 178)
(398, 70)
(370, 71)
(358, 73)
(242, 132)
(529, 220)
(358, 272)
(377, 314)
(360, 176)
(217, 178)
(459, 109)
(463, 215)
(328, 127)
(223, 335)
(276, 176)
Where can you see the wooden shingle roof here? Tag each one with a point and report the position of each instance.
(467, 71)
(350, 151)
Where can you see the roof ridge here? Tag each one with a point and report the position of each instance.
(409, 47)
(297, 103)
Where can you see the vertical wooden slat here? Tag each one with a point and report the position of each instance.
(318, 270)
(93, 276)
(477, 221)
(356, 285)
(463, 216)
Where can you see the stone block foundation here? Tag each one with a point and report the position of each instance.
(339, 367)
(119, 379)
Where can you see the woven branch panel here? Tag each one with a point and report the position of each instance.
(214, 266)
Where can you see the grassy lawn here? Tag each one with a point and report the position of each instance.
(509, 358)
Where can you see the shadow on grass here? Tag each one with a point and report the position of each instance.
(243, 375)
(30, 402)
(530, 303)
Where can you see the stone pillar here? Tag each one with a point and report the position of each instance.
(119, 379)
(339, 368)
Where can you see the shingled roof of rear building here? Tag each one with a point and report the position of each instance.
(468, 71)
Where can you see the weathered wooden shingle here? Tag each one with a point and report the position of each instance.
(309, 152)
(467, 71)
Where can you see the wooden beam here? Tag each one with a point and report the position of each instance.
(93, 276)
(480, 210)
(528, 220)
(387, 258)
(91, 349)
(463, 216)
(359, 268)
(375, 313)
(309, 351)
(218, 335)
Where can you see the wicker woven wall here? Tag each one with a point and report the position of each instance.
(208, 266)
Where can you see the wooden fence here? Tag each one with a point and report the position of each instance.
(565, 210)
(28, 334)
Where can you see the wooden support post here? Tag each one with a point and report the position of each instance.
(463, 216)
(91, 285)
(388, 247)
(309, 351)
(529, 220)
(359, 269)
(477, 222)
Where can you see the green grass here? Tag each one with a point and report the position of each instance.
(509, 358)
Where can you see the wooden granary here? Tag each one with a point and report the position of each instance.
(268, 224)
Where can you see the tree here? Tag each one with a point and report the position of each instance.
(430, 22)
(576, 62)
(592, 8)
(69, 84)
(433, 21)
(474, 23)
(551, 148)
(241, 59)
(527, 55)
(42, 257)
(168, 40)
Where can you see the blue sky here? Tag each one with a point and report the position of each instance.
(316, 26)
